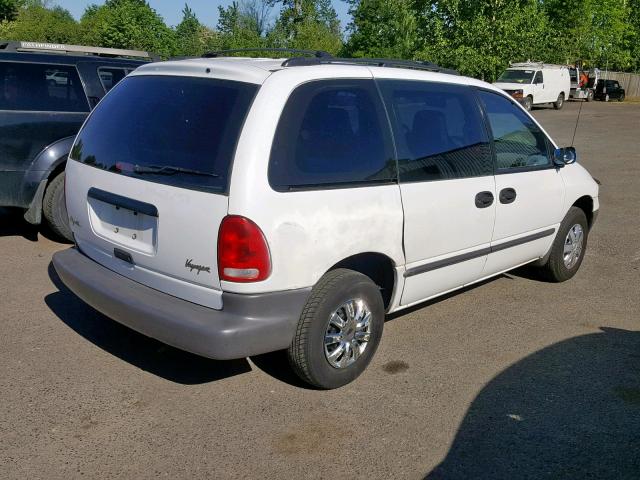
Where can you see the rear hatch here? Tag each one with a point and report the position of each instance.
(148, 178)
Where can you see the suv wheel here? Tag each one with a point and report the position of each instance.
(621, 97)
(339, 329)
(55, 209)
(527, 103)
(559, 102)
(568, 248)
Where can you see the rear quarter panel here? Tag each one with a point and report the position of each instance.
(307, 231)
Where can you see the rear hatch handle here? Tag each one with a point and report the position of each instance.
(123, 202)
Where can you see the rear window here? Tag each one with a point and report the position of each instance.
(179, 131)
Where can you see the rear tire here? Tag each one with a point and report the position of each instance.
(54, 208)
(557, 105)
(325, 354)
(568, 249)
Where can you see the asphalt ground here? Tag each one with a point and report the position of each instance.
(513, 378)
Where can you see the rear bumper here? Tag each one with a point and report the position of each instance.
(247, 325)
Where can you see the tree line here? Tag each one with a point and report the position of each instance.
(477, 37)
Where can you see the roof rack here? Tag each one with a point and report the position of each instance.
(38, 47)
(530, 64)
(320, 57)
(224, 53)
(374, 62)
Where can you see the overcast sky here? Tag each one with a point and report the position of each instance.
(171, 10)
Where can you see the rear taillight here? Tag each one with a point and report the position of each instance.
(243, 253)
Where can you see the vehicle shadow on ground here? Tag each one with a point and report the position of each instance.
(568, 411)
(145, 353)
(12, 224)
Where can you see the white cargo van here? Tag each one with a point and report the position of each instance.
(533, 83)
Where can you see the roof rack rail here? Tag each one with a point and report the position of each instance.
(41, 47)
(224, 53)
(374, 62)
(530, 64)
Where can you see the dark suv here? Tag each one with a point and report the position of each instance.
(609, 90)
(46, 92)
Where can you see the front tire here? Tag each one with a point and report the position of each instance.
(621, 97)
(527, 103)
(339, 330)
(568, 249)
(54, 208)
(557, 105)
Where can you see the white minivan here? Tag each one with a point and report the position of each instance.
(233, 206)
(533, 83)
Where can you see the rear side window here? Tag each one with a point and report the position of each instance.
(518, 141)
(110, 76)
(179, 131)
(438, 130)
(331, 132)
(37, 87)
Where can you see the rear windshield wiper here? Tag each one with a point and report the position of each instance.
(170, 170)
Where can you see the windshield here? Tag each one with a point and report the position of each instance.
(180, 131)
(516, 76)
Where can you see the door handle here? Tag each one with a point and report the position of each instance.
(484, 199)
(507, 195)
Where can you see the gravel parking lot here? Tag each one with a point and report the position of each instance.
(513, 378)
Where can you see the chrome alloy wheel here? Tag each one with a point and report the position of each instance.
(348, 333)
(573, 246)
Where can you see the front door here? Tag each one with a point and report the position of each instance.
(530, 190)
(446, 182)
(539, 94)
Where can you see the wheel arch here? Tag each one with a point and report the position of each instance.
(585, 203)
(380, 268)
(51, 161)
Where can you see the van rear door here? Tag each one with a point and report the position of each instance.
(147, 184)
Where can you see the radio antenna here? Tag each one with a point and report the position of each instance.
(577, 121)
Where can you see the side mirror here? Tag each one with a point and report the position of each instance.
(564, 156)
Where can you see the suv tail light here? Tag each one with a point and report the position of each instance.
(243, 253)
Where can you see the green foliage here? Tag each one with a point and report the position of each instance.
(9, 9)
(476, 37)
(189, 38)
(382, 29)
(598, 31)
(634, 34)
(480, 37)
(34, 22)
(241, 25)
(307, 25)
(128, 24)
